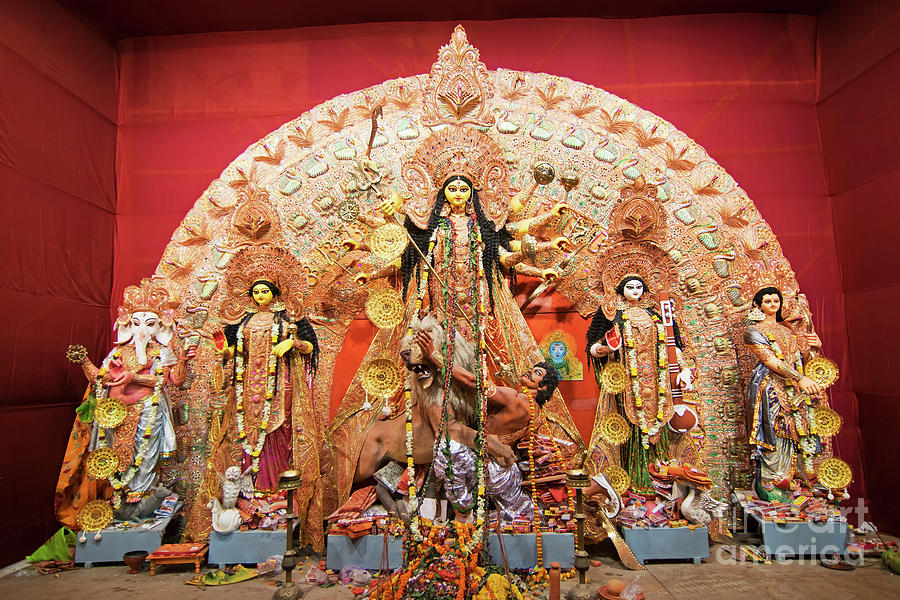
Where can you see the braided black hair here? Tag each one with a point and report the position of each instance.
(493, 240)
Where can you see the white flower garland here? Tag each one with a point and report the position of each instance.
(662, 381)
(255, 451)
(410, 461)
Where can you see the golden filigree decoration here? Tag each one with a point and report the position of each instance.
(639, 215)
(348, 211)
(110, 413)
(381, 378)
(388, 241)
(101, 463)
(822, 370)
(834, 473)
(459, 87)
(76, 353)
(613, 429)
(385, 308)
(827, 422)
(613, 378)
(94, 515)
(253, 220)
(619, 478)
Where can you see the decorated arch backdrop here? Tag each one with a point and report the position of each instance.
(295, 177)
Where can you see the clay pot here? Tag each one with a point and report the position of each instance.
(134, 560)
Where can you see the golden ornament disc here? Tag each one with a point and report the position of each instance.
(348, 211)
(822, 370)
(381, 378)
(827, 422)
(385, 308)
(834, 473)
(618, 478)
(101, 463)
(388, 241)
(76, 353)
(613, 429)
(110, 413)
(94, 515)
(613, 378)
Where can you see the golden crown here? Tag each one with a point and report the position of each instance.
(147, 297)
(458, 151)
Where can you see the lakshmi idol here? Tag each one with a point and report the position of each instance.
(265, 382)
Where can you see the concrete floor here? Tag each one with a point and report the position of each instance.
(717, 578)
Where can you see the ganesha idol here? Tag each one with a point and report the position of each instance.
(124, 426)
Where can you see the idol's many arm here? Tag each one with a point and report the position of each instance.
(520, 228)
(759, 345)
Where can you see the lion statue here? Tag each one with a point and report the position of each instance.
(386, 439)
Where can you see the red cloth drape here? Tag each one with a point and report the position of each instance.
(57, 217)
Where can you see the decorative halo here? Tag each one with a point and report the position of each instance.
(388, 241)
(834, 473)
(348, 211)
(613, 378)
(110, 413)
(613, 429)
(94, 515)
(76, 353)
(381, 378)
(385, 308)
(826, 421)
(822, 370)
(618, 478)
(101, 463)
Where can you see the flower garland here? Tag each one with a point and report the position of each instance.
(255, 451)
(532, 473)
(662, 362)
(414, 529)
(476, 250)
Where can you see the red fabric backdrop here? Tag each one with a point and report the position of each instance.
(859, 122)
(79, 190)
(57, 215)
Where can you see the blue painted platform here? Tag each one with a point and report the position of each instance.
(783, 540)
(521, 549)
(116, 542)
(667, 543)
(245, 547)
(365, 552)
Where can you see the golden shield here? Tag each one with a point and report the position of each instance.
(95, 515)
(101, 463)
(381, 378)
